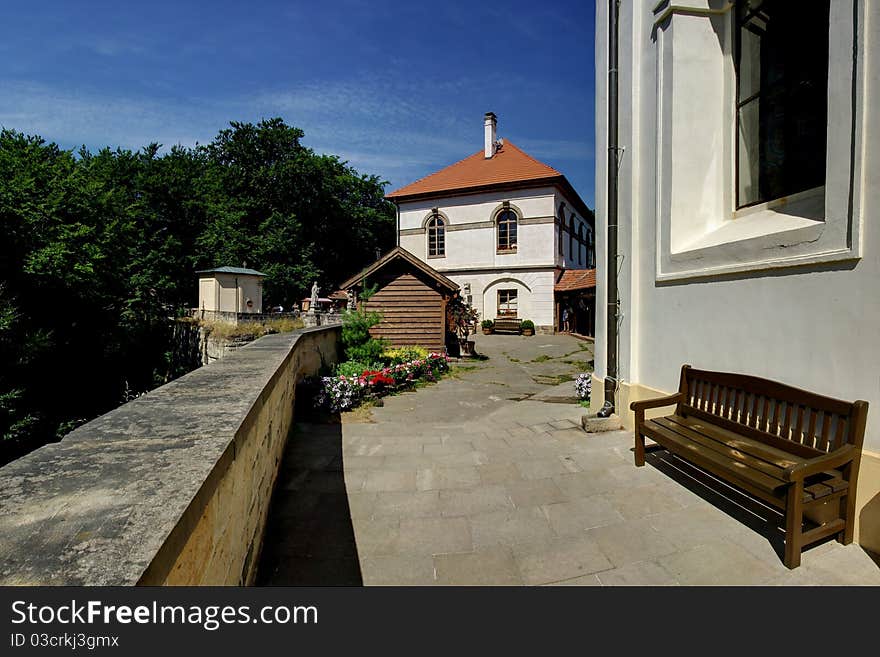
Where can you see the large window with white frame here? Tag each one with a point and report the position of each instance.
(506, 221)
(781, 98)
(777, 89)
(507, 303)
(436, 228)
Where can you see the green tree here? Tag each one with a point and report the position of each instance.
(100, 250)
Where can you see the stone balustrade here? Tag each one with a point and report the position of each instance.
(171, 488)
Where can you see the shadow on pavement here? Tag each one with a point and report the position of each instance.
(309, 537)
(765, 520)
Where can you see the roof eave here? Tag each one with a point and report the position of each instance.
(399, 251)
(559, 181)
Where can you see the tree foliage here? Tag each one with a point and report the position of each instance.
(100, 250)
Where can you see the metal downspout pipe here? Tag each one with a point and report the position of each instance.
(612, 302)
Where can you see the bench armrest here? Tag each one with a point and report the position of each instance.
(656, 403)
(829, 461)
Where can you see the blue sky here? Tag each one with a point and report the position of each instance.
(398, 88)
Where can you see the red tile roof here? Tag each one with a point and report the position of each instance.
(508, 165)
(575, 279)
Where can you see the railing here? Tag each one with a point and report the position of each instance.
(228, 316)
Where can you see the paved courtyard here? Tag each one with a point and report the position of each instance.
(487, 478)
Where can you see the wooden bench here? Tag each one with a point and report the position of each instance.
(796, 450)
(508, 324)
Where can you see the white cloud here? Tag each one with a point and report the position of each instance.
(397, 129)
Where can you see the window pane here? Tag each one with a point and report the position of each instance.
(748, 144)
(507, 302)
(749, 62)
(783, 58)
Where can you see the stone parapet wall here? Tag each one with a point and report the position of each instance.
(171, 488)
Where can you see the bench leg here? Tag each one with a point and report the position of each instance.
(848, 510)
(640, 449)
(794, 518)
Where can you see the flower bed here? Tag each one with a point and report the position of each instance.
(342, 393)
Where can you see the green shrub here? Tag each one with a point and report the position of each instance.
(527, 324)
(487, 323)
(356, 324)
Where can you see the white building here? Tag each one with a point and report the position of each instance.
(502, 225)
(227, 292)
(749, 202)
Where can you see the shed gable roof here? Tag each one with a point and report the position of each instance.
(399, 253)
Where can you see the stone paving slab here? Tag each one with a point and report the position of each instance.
(476, 481)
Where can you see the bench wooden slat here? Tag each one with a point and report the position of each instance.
(826, 430)
(816, 491)
(765, 415)
(823, 485)
(797, 432)
(711, 459)
(778, 457)
(835, 481)
(740, 451)
(822, 531)
(774, 423)
(810, 437)
(788, 446)
(507, 324)
(773, 389)
(786, 427)
(839, 434)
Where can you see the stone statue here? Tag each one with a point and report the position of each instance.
(313, 303)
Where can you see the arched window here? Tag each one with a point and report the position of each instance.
(436, 236)
(580, 243)
(560, 220)
(571, 237)
(506, 221)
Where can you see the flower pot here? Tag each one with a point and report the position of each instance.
(487, 331)
(467, 347)
(528, 331)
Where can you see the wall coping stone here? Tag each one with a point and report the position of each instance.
(98, 506)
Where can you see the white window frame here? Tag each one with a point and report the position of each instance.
(699, 232)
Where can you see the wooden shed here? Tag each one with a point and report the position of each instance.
(410, 295)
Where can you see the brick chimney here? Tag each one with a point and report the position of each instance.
(490, 123)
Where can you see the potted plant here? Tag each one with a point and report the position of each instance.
(488, 326)
(527, 327)
(461, 317)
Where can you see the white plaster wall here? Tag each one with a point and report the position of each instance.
(223, 288)
(815, 326)
(251, 288)
(476, 247)
(534, 292)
